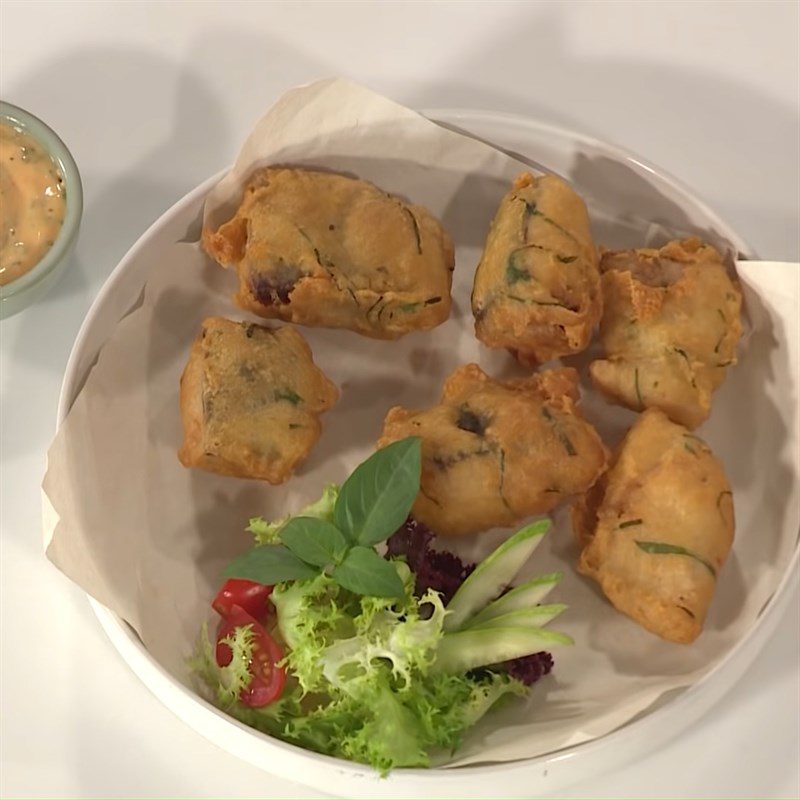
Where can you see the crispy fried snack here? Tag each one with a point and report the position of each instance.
(657, 528)
(671, 323)
(251, 397)
(324, 250)
(494, 452)
(537, 287)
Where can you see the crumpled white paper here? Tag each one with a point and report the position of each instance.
(148, 538)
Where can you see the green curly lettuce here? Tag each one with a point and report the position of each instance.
(361, 683)
(268, 532)
(230, 680)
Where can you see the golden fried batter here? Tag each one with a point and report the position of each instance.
(251, 397)
(537, 287)
(495, 452)
(321, 249)
(657, 527)
(670, 328)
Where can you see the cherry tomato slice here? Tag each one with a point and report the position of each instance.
(268, 679)
(251, 596)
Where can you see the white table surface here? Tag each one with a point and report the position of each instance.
(154, 97)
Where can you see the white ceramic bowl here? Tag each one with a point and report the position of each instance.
(630, 180)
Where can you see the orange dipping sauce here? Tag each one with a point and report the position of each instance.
(32, 202)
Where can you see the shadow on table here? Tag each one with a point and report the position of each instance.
(702, 109)
(108, 114)
(105, 103)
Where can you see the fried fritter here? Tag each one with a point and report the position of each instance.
(324, 250)
(537, 286)
(657, 528)
(671, 323)
(251, 397)
(495, 452)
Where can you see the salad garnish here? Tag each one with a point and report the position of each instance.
(328, 645)
(337, 539)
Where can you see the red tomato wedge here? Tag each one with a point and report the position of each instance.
(251, 596)
(268, 679)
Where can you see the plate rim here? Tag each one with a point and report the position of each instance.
(624, 154)
(184, 703)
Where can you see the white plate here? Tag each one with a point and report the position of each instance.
(618, 188)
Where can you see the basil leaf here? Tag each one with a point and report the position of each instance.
(314, 540)
(269, 564)
(662, 548)
(363, 571)
(375, 500)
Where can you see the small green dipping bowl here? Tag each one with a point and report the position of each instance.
(25, 289)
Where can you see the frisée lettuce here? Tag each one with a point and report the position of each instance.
(269, 532)
(364, 685)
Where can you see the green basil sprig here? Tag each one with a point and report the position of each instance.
(316, 541)
(372, 504)
(375, 500)
(269, 565)
(363, 571)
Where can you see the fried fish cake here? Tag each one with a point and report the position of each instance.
(657, 528)
(495, 452)
(325, 250)
(670, 326)
(251, 397)
(537, 286)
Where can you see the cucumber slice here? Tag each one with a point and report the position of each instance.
(526, 595)
(535, 617)
(493, 574)
(466, 650)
